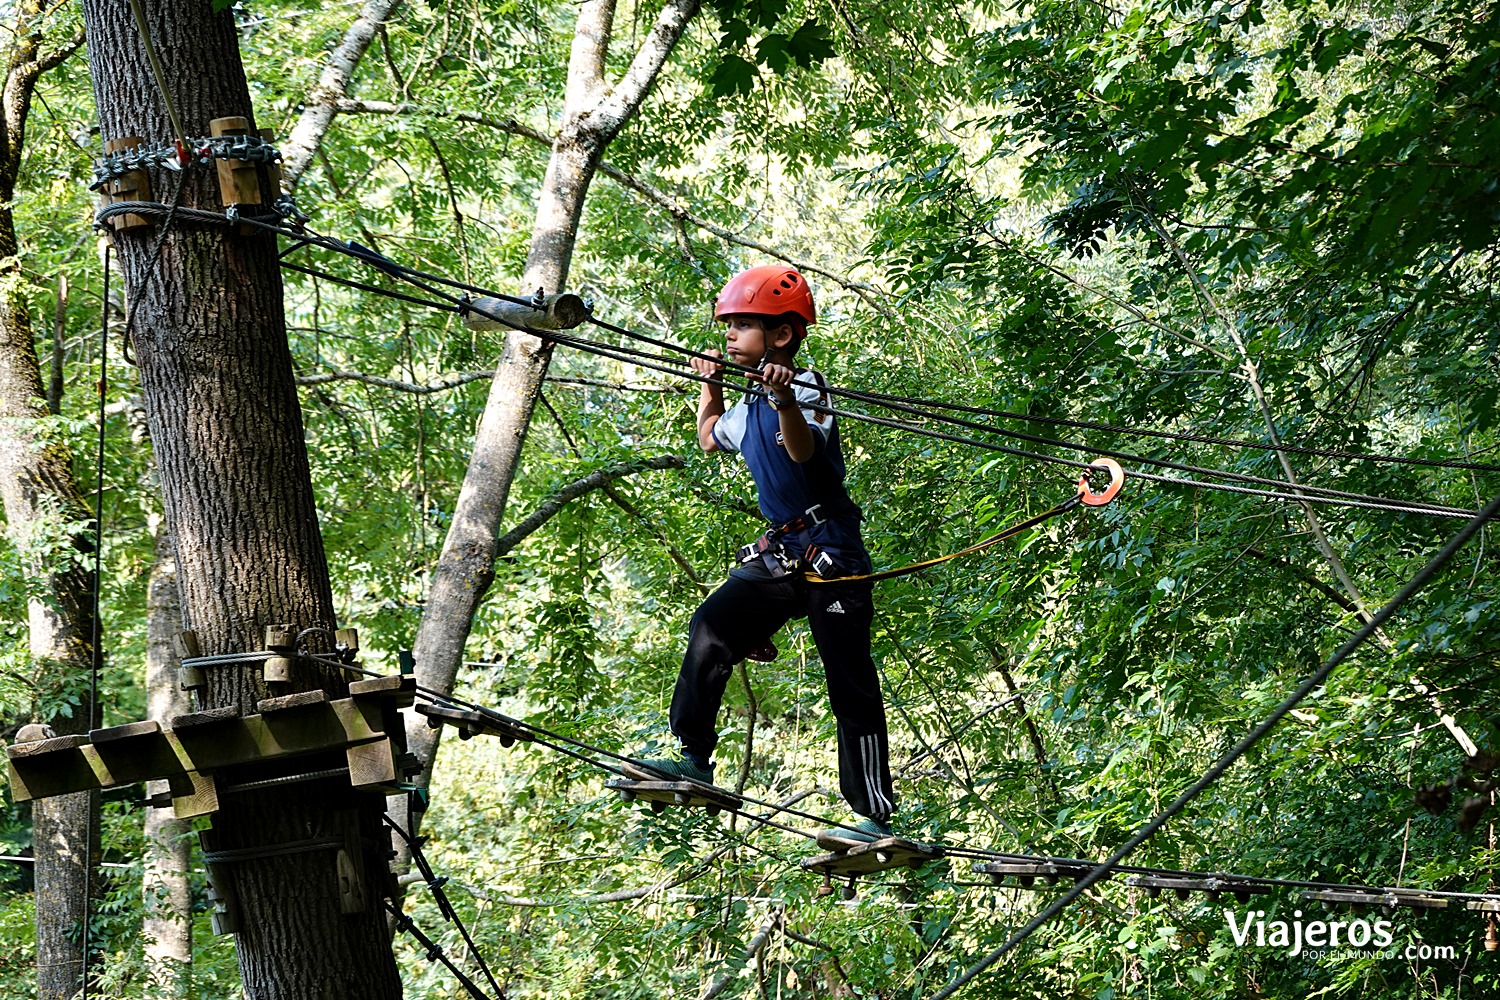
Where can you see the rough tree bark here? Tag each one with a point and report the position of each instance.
(593, 113)
(221, 403)
(39, 492)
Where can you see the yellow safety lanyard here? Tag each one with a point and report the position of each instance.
(1085, 495)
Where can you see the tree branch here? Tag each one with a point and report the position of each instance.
(674, 206)
(591, 35)
(322, 102)
(754, 948)
(620, 102)
(508, 125)
(1348, 606)
(557, 501)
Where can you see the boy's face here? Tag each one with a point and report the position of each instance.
(746, 339)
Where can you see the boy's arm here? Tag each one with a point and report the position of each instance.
(796, 435)
(710, 400)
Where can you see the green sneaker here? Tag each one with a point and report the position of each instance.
(668, 767)
(865, 831)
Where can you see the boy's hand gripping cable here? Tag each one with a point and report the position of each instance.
(1085, 496)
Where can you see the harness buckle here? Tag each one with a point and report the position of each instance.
(812, 512)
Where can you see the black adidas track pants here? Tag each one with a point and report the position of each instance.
(748, 609)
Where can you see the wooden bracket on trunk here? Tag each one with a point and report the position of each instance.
(239, 180)
(223, 904)
(185, 645)
(132, 186)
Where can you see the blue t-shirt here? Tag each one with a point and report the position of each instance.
(812, 490)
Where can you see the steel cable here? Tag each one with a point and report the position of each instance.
(1315, 680)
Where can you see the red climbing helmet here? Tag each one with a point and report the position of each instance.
(768, 290)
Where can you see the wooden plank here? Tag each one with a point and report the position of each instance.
(201, 742)
(1027, 872)
(34, 748)
(866, 859)
(373, 767)
(1388, 898)
(660, 794)
(136, 751)
(42, 768)
(472, 723)
(291, 702)
(201, 801)
(1213, 885)
(397, 688)
(207, 717)
(1484, 905)
(146, 727)
(334, 725)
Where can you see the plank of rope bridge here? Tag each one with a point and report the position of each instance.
(1182, 886)
(710, 798)
(868, 859)
(472, 723)
(1027, 872)
(1387, 899)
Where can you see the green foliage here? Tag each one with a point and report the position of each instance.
(1065, 211)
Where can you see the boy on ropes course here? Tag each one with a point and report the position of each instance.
(794, 456)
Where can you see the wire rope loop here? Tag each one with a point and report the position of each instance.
(1116, 480)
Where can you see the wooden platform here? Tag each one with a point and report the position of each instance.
(185, 752)
(710, 798)
(867, 859)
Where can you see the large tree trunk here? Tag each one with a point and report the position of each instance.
(593, 114)
(36, 482)
(221, 403)
(167, 924)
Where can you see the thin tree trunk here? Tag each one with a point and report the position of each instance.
(593, 114)
(333, 86)
(167, 924)
(216, 375)
(38, 489)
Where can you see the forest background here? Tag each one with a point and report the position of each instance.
(1238, 221)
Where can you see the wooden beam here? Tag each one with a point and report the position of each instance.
(196, 745)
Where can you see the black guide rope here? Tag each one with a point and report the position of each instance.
(956, 850)
(1315, 680)
(916, 407)
(445, 906)
(1304, 493)
(434, 950)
